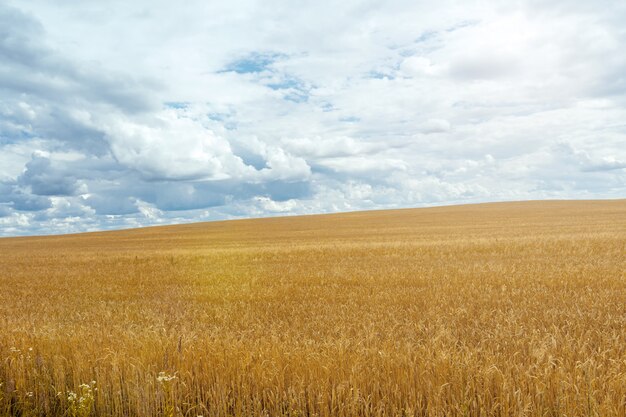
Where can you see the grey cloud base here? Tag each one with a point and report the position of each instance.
(300, 111)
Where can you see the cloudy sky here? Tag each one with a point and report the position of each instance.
(120, 114)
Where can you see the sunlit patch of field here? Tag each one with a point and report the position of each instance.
(513, 309)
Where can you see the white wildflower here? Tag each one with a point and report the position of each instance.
(163, 377)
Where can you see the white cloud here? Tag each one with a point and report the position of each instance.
(283, 166)
(324, 147)
(168, 146)
(319, 107)
(419, 66)
(268, 205)
(435, 126)
(148, 210)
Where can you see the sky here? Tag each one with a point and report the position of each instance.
(123, 114)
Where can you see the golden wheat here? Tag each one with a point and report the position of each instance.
(515, 309)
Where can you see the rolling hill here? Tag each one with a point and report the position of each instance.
(501, 309)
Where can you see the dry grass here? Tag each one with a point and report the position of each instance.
(515, 309)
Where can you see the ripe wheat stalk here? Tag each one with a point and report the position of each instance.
(492, 310)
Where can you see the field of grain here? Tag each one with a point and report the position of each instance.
(510, 309)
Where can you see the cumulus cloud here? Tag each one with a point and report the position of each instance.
(172, 147)
(287, 109)
(269, 205)
(43, 179)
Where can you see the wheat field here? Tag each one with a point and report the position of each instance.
(506, 309)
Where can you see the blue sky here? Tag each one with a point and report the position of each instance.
(123, 114)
